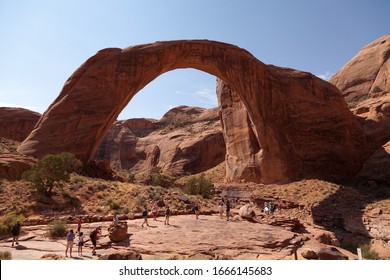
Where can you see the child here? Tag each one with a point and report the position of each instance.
(80, 244)
(145, 214)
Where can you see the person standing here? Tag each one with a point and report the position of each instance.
(69, 243)
(94, 236)
(167, 215)
(116, 220)
(227, 209)
(79, 220)
(154, 211)
(221, 210)
(15, 233)
(80, 244)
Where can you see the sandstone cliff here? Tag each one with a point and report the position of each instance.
(17, 123)
(185, 140)
(367, 73)
(365, 84)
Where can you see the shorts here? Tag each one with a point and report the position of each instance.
(80, 243)
(69, 244)
(93, 242)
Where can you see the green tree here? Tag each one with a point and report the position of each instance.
(199, 185)
(52, 171)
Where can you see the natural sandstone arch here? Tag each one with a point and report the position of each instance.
(298, 123)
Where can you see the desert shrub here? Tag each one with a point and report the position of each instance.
(376, 89)
(368, 253)
(140, 201)
(52, 171)
(131, 178)
(114, 205)
(199, 185)
(5, 255)
(57, 228)
(7, 221)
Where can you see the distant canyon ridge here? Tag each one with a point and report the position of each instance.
(272, 125)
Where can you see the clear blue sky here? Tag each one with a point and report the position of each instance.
(44, 42)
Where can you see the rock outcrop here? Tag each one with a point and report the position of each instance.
(12, 166)
(368, 72)
(377, 167)
(365, 83)
(302, 124)
(374, 115)
(185, 140)
(17, 123)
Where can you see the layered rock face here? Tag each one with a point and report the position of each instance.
(365, 84)
(185, 140)
(17, 123)
(12, 166)
(367, 72)
(301, 122)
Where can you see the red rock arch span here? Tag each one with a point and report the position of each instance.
(294, 125)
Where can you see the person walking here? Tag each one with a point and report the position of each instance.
(69, 243)
(196, 210)
(15, 233)
(145, 214)
(80, 244)
(167, 215)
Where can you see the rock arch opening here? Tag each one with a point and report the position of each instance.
(301, 123)
(179, 131)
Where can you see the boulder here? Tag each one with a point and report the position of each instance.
(247, 212)
(118, 233)
(330, 253)
(50, 256)
(125, 255)
(309, 253)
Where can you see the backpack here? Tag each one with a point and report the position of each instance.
(145, 213)
(92, 234)
(15, 228)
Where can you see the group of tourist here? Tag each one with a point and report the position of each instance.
(270, 207)
(224, 206)
(70, 238)
(145, 214)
